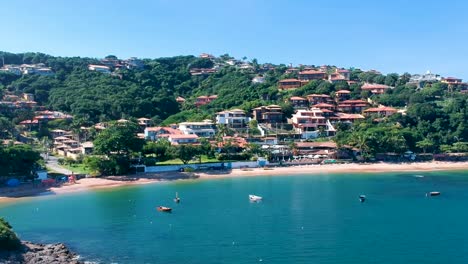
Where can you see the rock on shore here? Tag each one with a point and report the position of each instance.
(32, 253)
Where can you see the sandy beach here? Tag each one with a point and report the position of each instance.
(87, 184)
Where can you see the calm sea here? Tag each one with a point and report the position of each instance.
(303, 219)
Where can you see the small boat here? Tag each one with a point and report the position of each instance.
(255, 198)
(164, 209)
(434, 194)
(362, 198)
(177, 199)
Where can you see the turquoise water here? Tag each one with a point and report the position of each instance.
(303, 219)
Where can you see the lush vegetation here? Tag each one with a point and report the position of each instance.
(8, 238)
(18, 161)
(435, 118)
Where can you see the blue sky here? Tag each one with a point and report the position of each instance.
(390, 36)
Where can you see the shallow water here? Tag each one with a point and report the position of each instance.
(303, 219)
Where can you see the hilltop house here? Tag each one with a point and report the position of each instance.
(201, 129)
(39, 69)
(235, 118)
(339, 75)
(268, 114)
(309, 75)
(420, 80)
(99, 68)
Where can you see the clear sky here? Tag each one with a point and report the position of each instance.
(390, 36)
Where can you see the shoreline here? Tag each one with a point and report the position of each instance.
(89, 184)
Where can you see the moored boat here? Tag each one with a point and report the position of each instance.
(362, 198)
(255, 198)
(164, 209)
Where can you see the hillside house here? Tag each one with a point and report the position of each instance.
(203, 100)
(352, 106)
(375, 88)
(201, 129)
(309, 123)
(309, 75)
(319, 98)
(154, 133)
(382, 111)
(288, 84)
(100, 68)
(342, 95)
(183, 139)
(299, 102)
(235, 118)
(268, 114)
(346, 118)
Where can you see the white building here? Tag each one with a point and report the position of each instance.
(258, 79)
(235, 118)
(99, 68)
(201, 129)
(420, 80)
(183, 139)
(12, 69)
(309, 123)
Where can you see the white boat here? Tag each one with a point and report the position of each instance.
(255, 198)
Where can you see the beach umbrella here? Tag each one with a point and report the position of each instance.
(13, 182)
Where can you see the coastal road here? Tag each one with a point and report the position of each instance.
(52, 164)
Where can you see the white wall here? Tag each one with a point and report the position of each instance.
(228, 165)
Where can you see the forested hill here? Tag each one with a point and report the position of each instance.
(436, 111)
(148, 92)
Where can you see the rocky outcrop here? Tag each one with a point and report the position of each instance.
(32, 253)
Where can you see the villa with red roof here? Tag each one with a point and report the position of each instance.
(309, 75)
(319, 98)
(154, 133)
(309, 123)
(382, 111)
(299, 102)
(203, 100)
(288, 84)
(375, 88)
(342, 95)
(177, 139)
(268, 114)
(352, 106)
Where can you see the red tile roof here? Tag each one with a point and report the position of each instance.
(343, 92)
(311, 72)
(289, 80)
(323, 105)
(189, 136)
(297, 98)
(380, 109)
(371, 86)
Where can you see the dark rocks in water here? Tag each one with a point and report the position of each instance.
(32, 253)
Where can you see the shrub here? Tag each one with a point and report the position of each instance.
(8, 239)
